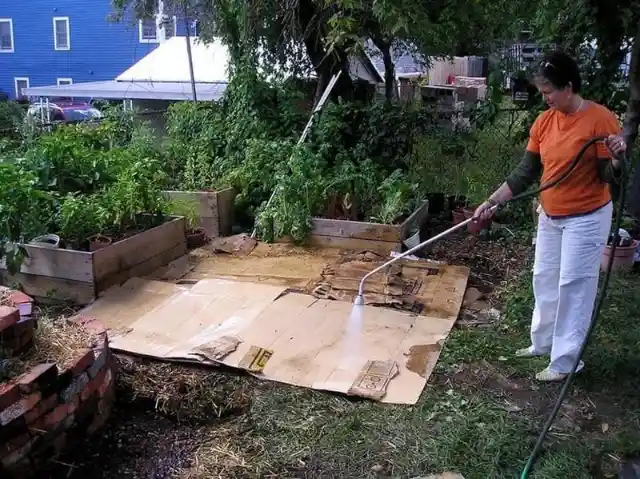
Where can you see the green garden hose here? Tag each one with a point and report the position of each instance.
(596, 312)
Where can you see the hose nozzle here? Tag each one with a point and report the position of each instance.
(359, 301)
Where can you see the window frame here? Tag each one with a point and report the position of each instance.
(56, 47)
(13, 42)
(15, 85)
(157, 37)
(66, 81)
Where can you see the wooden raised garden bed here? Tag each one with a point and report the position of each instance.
(78, 276)
(215, 209)
(360, 235)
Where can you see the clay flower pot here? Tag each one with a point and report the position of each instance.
(473, 226)
(623, 259)
(99, 241)
(196, 238)
(458, 216)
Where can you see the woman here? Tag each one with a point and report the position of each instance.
(575, 218)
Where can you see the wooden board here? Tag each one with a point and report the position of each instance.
(360, 235)
(135, 250)
(77, 276)
(215, 208)
(47, 289)
(56, 263)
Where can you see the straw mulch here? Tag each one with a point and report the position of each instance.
(55, 341)
(190, 393)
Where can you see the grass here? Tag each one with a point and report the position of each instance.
(479, 416)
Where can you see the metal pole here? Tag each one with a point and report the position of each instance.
(359, 298)
(307, 128)
(193, 81)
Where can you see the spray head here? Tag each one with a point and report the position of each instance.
(359, 301)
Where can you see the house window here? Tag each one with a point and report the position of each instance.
(151, 29)
(6, 35)
(21, 84)
(61, 37)
(65, 81)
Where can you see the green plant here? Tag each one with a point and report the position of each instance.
(80, 217)
(186, 208)
(25, 212)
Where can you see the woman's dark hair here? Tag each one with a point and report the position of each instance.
(559, 69)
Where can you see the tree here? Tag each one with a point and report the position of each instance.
(614, 29)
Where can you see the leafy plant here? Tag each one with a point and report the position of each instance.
(186, 208)
(80, 217)
(25, 212)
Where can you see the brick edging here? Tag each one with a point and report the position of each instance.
(46, 409)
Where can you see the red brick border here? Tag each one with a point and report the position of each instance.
(45, 408)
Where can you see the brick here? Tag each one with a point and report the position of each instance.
(86, 411)
(25, 325)
(18, 297)
(81, 361)
(98, 422)
(76, 387)
(19, 408)
(8, 317)
(9, 394)
(14, 429)
(52, 420)
(95, 326)
(59, 443)
(14, 444)
(42, 408)
(93, 385)
(43, 378)
(99, 362)
(16, 456)
(105, 383)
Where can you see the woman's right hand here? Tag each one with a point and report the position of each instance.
(485, 211)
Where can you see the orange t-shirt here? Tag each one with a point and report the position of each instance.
(557, 137)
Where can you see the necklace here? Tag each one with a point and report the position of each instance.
(579, 106)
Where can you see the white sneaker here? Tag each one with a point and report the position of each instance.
(549, 376)
(529, 353)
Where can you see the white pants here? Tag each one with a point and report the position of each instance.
(565, 283)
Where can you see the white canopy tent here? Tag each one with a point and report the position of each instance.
(164, 74)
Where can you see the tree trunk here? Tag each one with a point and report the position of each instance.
(325, 65)
(390, 91)
(632, 122)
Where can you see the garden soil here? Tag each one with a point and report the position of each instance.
(218, 313)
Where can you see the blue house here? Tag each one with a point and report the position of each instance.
(49, 42)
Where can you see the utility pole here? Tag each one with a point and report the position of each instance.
(188, 38)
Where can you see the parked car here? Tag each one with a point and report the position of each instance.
(63, 112)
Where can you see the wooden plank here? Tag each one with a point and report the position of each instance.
(416, 220)
(136, 249)
(207, 205)
(56, 263)
(226, 203)
(46, 289)
(144, 267)
(356, 230)
(382, 247)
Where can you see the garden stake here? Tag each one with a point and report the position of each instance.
(307, 128)
(359, 300)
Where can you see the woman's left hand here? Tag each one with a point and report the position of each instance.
(616, 144)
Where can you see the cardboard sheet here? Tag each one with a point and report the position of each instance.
(293, 338)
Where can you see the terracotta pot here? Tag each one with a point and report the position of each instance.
(473, 226)
(196, 238)
(98, 242)
(458, 216)
(623, 259)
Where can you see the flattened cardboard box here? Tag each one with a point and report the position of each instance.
(286, 337)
